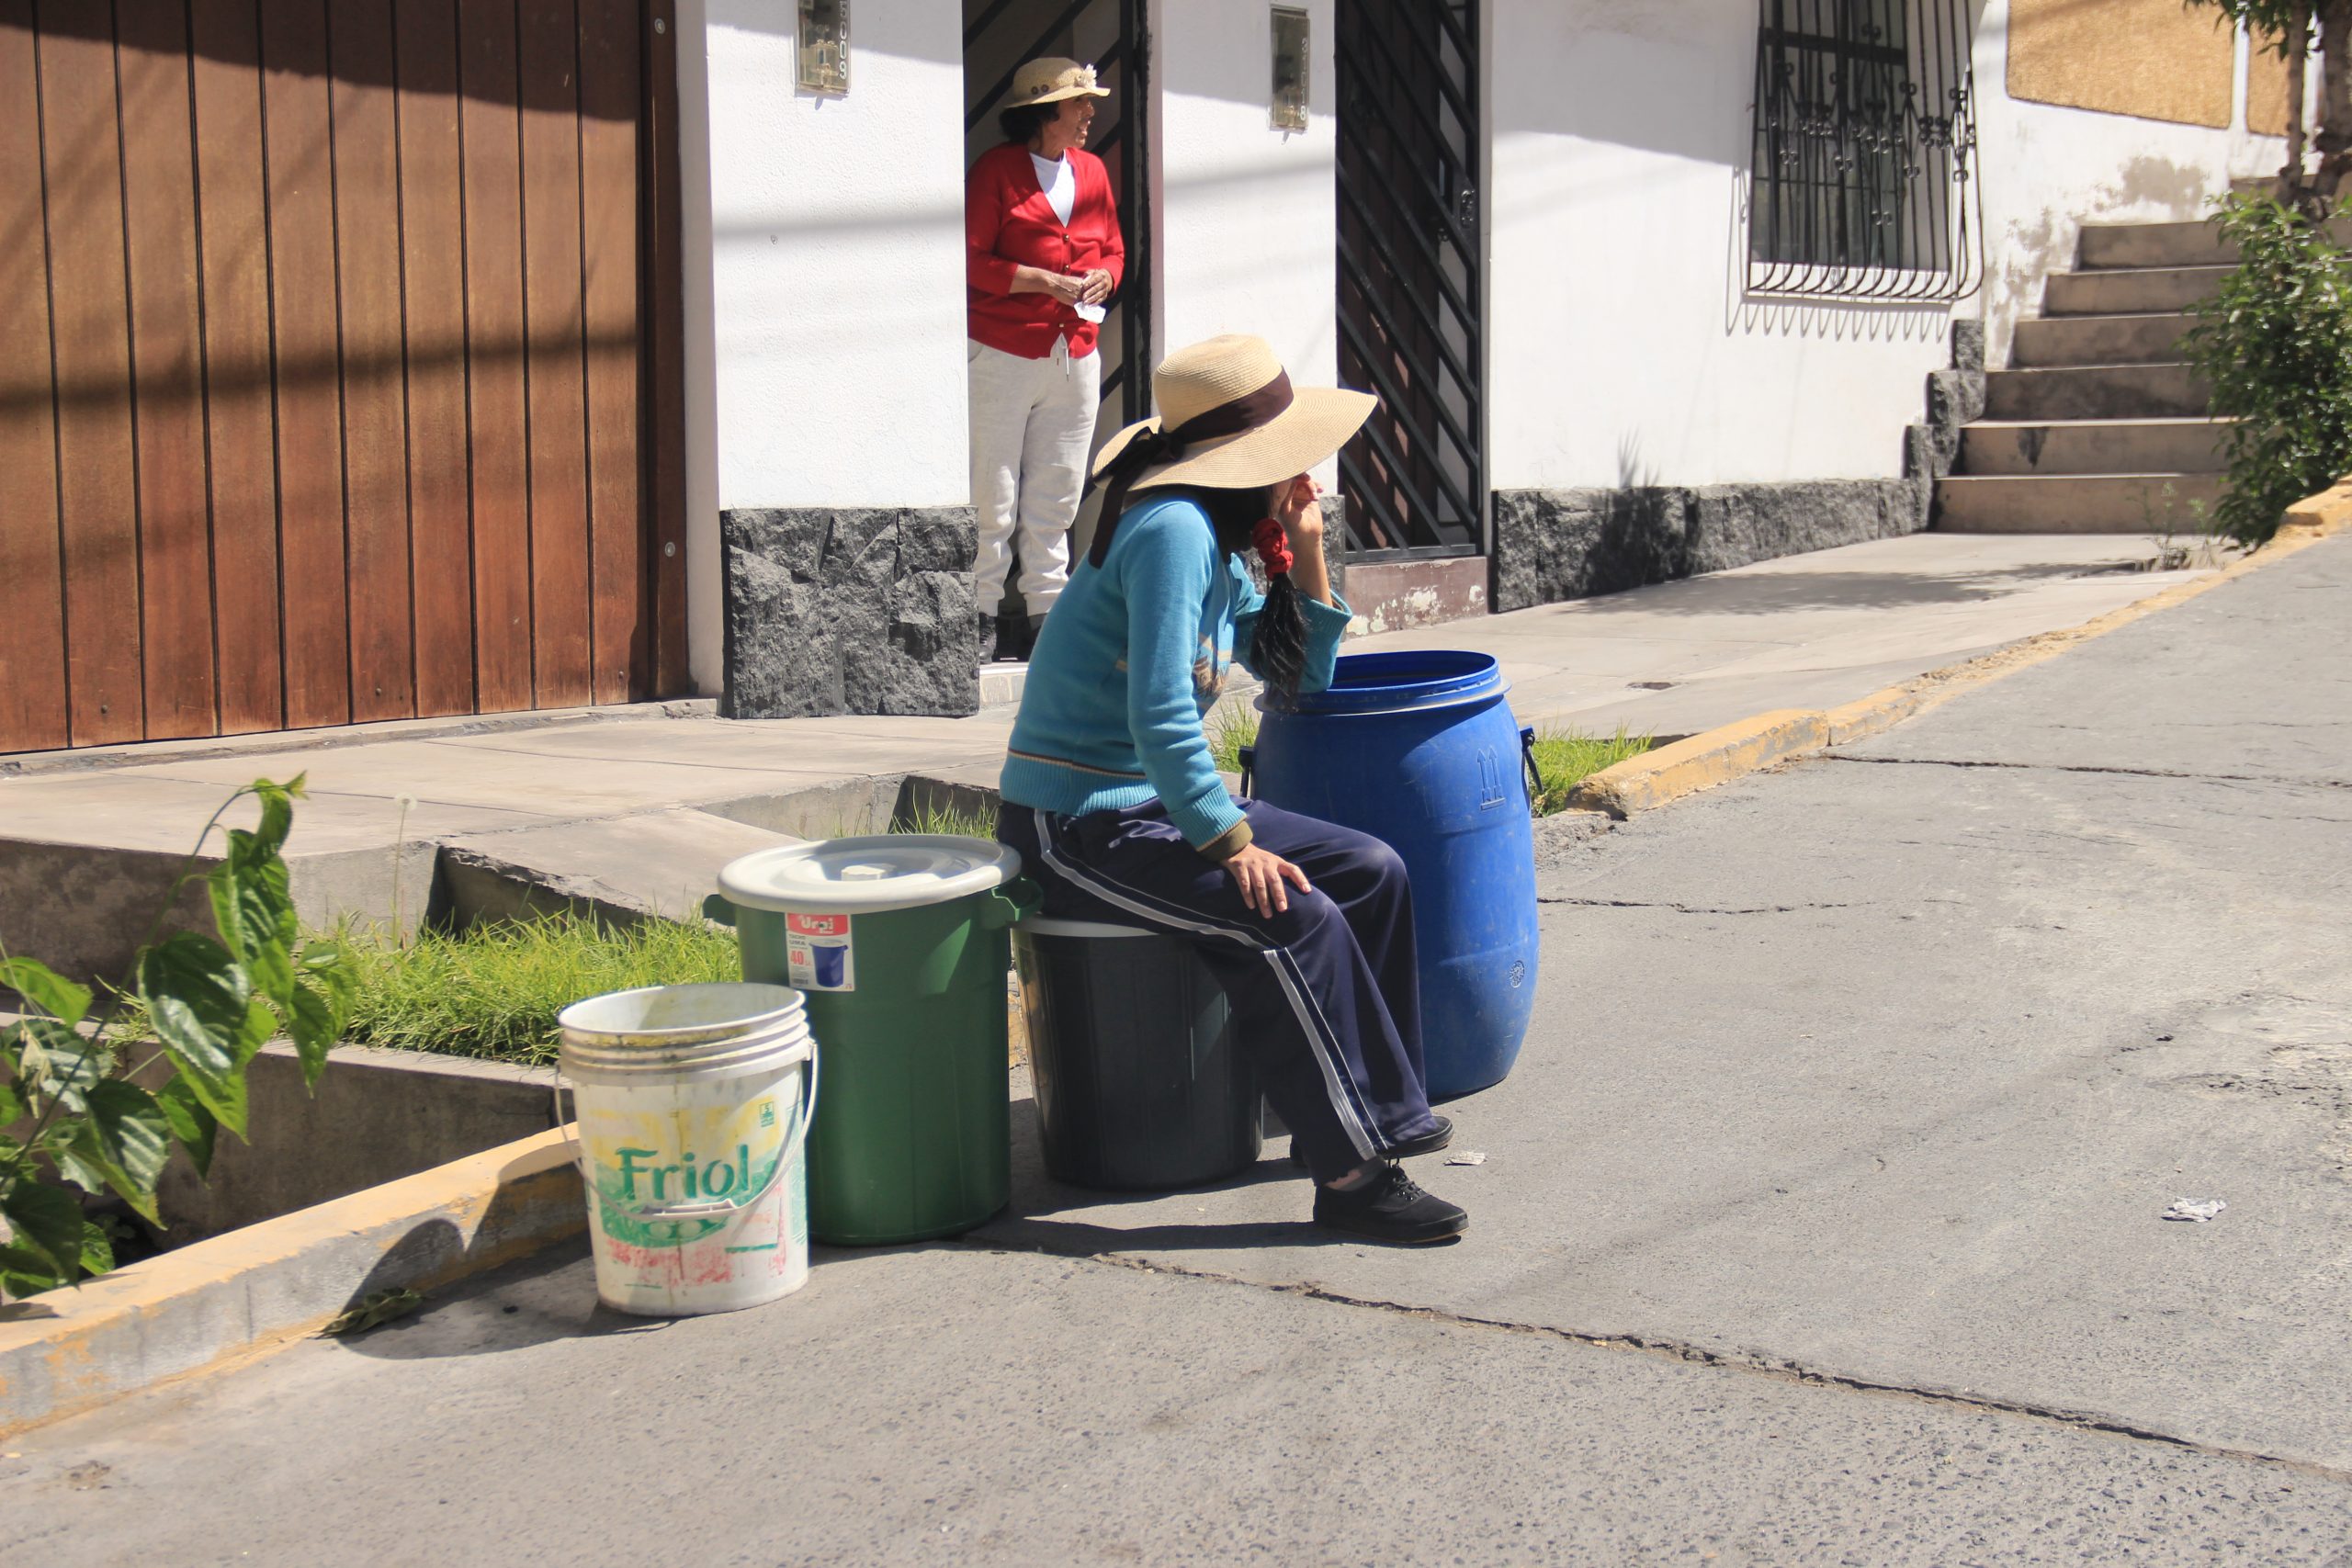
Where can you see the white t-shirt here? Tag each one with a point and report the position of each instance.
(1059, 182)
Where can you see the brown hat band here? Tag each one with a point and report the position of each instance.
(1151, 448)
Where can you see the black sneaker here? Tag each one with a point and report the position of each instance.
(1427, 1143)
(1388, 1207)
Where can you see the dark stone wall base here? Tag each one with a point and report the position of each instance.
(849, 610)
(1552, 545)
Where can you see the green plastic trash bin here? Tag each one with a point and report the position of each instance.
(901, 944)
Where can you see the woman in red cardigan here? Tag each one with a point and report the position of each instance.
(1043, 253)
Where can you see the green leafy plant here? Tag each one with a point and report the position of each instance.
(2275, 344)
(1566, 757)
(81, 1113)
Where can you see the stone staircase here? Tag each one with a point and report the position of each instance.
(2098, 426)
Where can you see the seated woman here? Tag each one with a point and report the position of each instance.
(1115, 805)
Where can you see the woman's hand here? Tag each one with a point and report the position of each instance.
(1095, 288)
(1065, 287)
(1260, 873)
(1298, 507)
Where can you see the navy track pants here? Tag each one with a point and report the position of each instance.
(1326, 995)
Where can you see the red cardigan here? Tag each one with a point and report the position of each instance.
(1009, 222)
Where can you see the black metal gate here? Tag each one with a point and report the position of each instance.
(1412, 303)
(999, 36)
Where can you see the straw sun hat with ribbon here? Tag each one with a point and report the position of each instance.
(1052, 79)
(1229, 419)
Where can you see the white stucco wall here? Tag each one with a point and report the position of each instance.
(1622, 348)
(2051, 170)
(834, 320)
(1246, 213)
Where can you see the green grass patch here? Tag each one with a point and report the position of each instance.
(1566, 757)
(949, 819)
(1230, 729)
(493, 991)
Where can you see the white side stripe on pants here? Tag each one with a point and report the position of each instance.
(1320, 1041)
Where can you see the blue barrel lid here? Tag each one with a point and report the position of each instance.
(1407, 680)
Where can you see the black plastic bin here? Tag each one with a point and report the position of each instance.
(1131, 1049)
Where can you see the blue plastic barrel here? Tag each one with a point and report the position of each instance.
(1420, 750)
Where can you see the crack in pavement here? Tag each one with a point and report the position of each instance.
(1685, 908)
(2288, 780)
(1782, 1370)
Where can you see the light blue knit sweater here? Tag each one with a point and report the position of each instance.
(1130, 660)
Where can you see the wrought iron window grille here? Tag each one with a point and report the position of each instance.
(1864, 183)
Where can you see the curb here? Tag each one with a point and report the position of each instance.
(1734, 750)
(218, 1300)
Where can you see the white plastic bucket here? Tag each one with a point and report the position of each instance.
(693, 1104)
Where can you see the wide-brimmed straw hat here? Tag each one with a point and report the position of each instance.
(1229, 418)
(1052, 79)
(1269, 431)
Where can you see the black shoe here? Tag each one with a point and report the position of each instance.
(1427, 1143)
(988, 637)
(1388, 1207)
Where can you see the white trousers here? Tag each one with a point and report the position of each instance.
(1032, 420)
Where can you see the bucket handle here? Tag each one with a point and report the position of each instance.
(785, 1156)
(717, 908)
(1534, 773)
(1011, 904)
(1248, 758)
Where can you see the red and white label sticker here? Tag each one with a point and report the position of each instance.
(818, 952)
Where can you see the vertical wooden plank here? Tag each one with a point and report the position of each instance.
(97, 492)
(433, 291)
(375, 418)
(497, 417)
(167, 368)
(241, 453)
(664, 332)
(32, 631)
(300, 144)
(557, 375)
(609, 94)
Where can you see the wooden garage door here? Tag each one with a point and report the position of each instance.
(328, 385)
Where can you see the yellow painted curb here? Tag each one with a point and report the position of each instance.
(1734, 750)
(1700, 761)
(220, 1299)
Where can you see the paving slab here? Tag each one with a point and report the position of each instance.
(1812, 630)
(956, 1406)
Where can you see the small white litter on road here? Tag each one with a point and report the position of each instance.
(2196, 1209)
(1468, 1156)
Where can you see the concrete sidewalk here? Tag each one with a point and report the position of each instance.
(636, 808)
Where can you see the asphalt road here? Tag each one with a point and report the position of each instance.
(1820, 1224)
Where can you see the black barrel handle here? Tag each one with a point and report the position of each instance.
(1534, 775)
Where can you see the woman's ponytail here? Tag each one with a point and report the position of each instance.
(1279, 652)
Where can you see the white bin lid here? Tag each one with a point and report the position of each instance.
(867, 875)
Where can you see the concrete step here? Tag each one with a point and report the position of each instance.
(2095, 391)
(2108, 245)
(2134, 291)
(2092, 446)
(615, 869)
(2073, 503)
(2098, 339)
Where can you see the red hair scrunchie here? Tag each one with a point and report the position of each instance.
(1274, 547)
